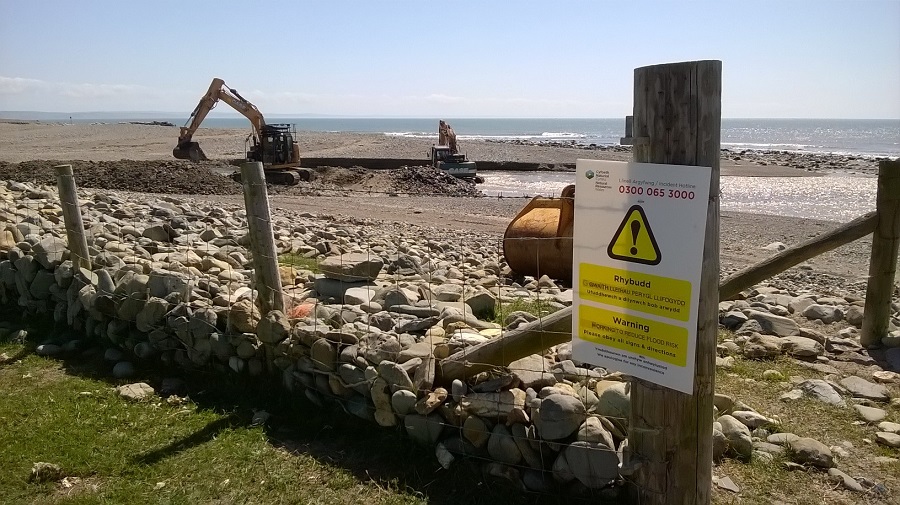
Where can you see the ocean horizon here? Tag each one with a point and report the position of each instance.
(862, 137)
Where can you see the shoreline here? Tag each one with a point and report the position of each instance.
(351, 193)
(26, 141)
(580, 140)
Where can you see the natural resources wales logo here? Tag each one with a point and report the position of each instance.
(589, 174)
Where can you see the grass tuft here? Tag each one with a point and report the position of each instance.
(536, 307)
(299, 262)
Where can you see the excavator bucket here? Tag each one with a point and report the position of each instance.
(189, 151)
(538, 241)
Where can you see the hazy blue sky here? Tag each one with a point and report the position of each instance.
(449, 59)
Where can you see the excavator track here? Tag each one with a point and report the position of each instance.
(279, 177)
(282, 177)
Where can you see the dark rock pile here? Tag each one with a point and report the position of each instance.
(211, 178)
(152, 123)
(170, 177)
(429, 180)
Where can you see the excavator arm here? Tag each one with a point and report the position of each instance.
(186, 148)
(447, 137)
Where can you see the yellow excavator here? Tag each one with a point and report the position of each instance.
(446, 156)
(271, 144)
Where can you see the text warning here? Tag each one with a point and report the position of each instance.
(637, 291)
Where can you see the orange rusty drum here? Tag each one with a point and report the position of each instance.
(538, 241)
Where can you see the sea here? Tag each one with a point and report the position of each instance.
(864, 137)
(834, 197)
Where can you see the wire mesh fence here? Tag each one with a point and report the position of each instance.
(423, 329)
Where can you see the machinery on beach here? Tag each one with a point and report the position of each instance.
(271, 144)
(538, 241)
(446, 156)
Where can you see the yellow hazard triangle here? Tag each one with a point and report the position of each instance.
(634, 240)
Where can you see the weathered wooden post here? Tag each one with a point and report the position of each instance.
(262, 239)
(68, 199)
(883, 262)
(677, 118)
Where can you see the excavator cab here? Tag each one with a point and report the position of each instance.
(442, 154)
(275, 146)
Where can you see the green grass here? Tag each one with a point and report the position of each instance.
(536, 307)
(299, 262)
(753, 369)
(67, 412)
(152, 452)
(831, 425)
(206, 450)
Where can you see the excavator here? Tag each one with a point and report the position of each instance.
(446, 156)
(271, 144)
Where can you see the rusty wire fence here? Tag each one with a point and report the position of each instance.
(422, 329)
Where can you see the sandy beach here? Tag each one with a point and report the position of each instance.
(357, 194)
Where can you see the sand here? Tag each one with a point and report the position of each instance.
(23, 141)
(743, 236)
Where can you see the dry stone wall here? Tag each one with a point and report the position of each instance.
(172, 281)
(371, 309)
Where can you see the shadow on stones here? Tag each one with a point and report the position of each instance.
(12, 317)
(880, 358)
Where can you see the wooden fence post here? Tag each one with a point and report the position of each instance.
(677, 120)
(68, 199)
(262, 239)
(883, 262)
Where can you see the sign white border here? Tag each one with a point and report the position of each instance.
(642, 320)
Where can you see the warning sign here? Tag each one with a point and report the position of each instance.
(634, 239)
(638, 254)
(659, 296)
(662, 341)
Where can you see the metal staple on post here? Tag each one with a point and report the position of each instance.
(68, 199)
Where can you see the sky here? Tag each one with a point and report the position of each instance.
(528, 58)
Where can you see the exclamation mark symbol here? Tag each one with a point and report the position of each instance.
(635, 229)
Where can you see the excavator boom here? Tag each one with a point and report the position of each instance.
(186, 148)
